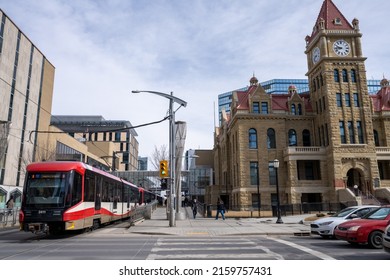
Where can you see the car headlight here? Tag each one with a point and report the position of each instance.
(325, 223)
(354, 228)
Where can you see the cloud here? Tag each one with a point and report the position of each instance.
(197, 49)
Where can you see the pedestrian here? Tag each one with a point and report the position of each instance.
(194, 208)
(10, 204)
(220, 209)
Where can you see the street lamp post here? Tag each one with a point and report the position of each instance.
(172, 99)
(276, 166)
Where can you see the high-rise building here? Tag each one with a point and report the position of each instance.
(329, 142)
(26, 90)
(280, 86)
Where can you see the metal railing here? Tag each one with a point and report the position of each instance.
(9, 217)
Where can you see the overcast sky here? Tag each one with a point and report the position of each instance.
(102, 50)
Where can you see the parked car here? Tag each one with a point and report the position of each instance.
(386, 239)
(369, 229)
(325, 226)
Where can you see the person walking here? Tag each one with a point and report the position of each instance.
(220, 209)
(10, 204)
(194, 208)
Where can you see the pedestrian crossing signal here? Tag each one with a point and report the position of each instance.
(163, 168)
(164, 184)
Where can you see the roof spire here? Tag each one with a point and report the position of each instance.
(330, 18)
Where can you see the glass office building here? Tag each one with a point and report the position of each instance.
(280, 86)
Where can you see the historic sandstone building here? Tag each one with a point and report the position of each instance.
(333, 143)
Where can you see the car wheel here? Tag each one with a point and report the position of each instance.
(375, 239)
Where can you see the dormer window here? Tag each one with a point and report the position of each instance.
(337, 21)
(256, 107)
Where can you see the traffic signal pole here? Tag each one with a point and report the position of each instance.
(172, 150)
(172, 193)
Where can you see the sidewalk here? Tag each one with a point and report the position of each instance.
(159, 225)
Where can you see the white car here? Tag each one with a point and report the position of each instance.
(386, 239)
(325, 226)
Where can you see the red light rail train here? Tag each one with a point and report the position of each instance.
(68, 196)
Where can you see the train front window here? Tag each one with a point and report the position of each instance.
(46, 189)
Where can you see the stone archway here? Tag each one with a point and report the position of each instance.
(355, 178)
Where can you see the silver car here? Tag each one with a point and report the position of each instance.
(325, 226)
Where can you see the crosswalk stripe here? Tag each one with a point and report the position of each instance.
(164, 248)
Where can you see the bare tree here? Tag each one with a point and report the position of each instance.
(159, 154)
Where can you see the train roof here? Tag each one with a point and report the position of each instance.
(64, 166)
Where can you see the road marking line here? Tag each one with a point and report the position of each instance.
(303, 248)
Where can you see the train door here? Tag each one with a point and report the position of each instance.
(98, 193)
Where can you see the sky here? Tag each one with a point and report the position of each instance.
(198, 49)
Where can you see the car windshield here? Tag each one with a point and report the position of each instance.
(378, 214)
(344, 212)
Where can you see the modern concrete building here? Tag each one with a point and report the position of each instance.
(26, 89)
(327, 140)
(112, 140)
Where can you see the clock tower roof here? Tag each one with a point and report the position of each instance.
(330, 18)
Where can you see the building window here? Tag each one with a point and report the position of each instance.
(264, 108)
(292, 138)
(326, 135)
(338, 100)
(351, 133)
(376, 138)
(299, 109)
(256, 107)
(252, 138)
(353, 76)
(271, 141)
(342, 133)
(360, 132)
(336, 75)
(272, 173)
(356, 100)
(293, 111)
(117, 136)
(254, 169)
(306, 137)
(345, 76)
(347, 100)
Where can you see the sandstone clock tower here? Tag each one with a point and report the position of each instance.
(339, 97)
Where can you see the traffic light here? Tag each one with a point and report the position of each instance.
(163, 169)
(164, 184)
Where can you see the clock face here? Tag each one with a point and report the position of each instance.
(341, 48)
(316, 55)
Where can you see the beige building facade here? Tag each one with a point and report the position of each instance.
(26, 132)
(332, 143)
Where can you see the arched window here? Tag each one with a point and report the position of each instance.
(345, 75)
(293, 111)
(271, 141)
(252, 138)
(292, 138)
(306, 137)
(336, 75)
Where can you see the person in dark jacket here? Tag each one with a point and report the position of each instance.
(194, 207)
(220, 209)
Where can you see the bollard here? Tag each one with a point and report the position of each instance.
(209, 215)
